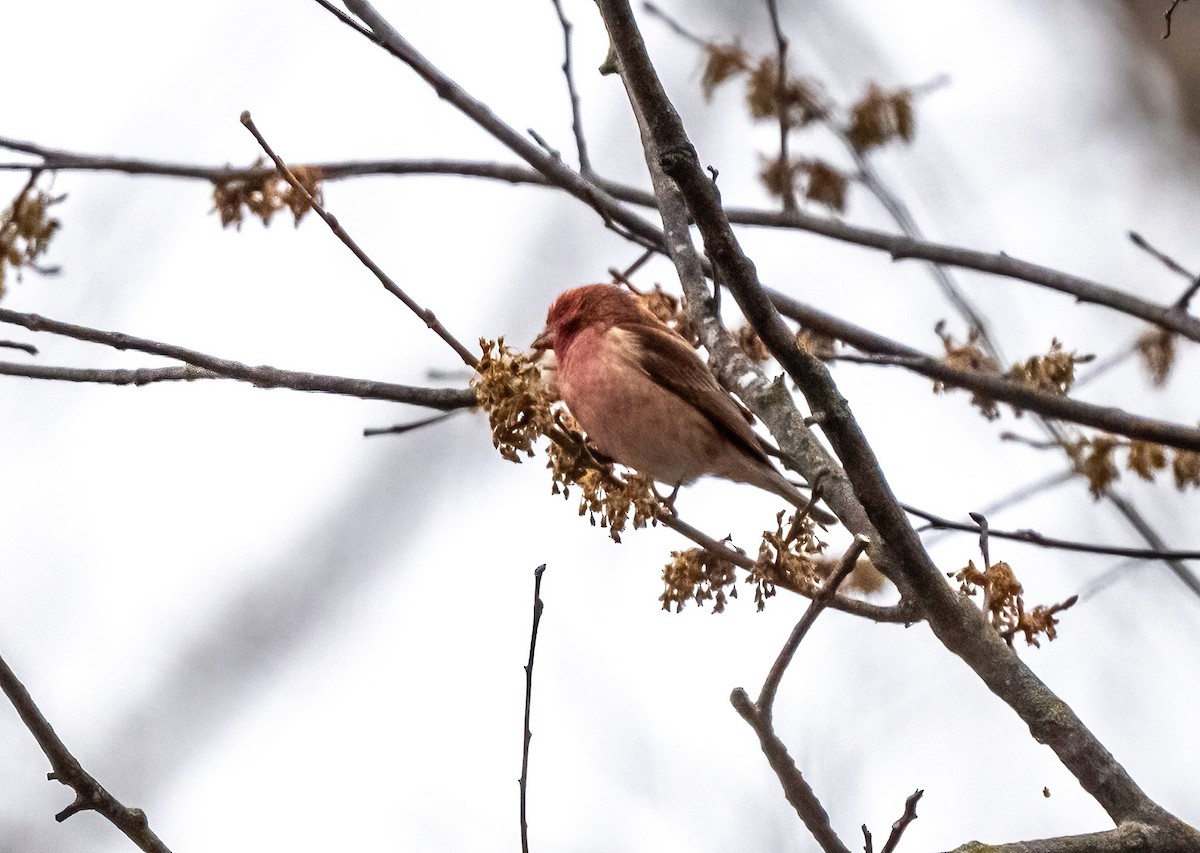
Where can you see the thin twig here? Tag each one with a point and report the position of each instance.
(615, 215)
(581, 150)
(1168, 15)
(524, 781)
(424, 314)
(758, 714)
(262, 376)
(766, 696)
(401, 429)
(1032, 537)
(1174, 266)
(21, 345)
(901, 824)
(782, 106)
(90, 795)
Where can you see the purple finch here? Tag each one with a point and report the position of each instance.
(646, 400)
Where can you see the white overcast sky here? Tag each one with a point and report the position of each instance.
(271, 633)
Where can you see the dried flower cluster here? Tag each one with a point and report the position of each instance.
(770, 95)
(1157, 349)
(25, 231)
(1052, 373)
(263, 193)
(510, 388)
(823, 183)
(1095, 458)
(1004, 604)
(881, 117)
(772, 92)
(817, 344)
(608, 499)
(751, 344)
(786, 558)
(671, 310)
(970, 357)
(699, 575)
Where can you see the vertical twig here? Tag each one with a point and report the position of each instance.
(524, 780)
(781, 51)
(585, 162)
(910, 814)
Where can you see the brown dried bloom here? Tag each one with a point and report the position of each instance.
(605, 497)
(1094, 458)
(786, 559)
(671, 310)
(25, 231)
(1146, 457)
(1186, 468)
(797, 99)
(817, 344)
(263, 193)
(700, 575)
(510, 388)
(1052, 373)
(778, 178)
(826, 184)
(880, 117)
(1157, 348)
(722, 62)
(1004, 605)
(751, 344)
(969, 356)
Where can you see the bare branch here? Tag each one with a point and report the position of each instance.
(957, 624)
(759, 714)
(524, 781)
(20, 345)
(90, 795)
(585, 163)
(262, 376)
(781, 52)
(910, 814)
(899, 246)
(425, 315)
(1032, 537)
(766, 696)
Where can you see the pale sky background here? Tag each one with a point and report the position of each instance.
(273, 634)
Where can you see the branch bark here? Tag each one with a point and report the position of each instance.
(954, 621)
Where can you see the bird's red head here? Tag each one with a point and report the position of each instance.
(599, 305)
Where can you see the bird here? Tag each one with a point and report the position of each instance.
(645, 398)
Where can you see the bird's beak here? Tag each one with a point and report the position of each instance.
(543, 342)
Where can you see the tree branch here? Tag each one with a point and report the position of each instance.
(957, 623)
(212, 367)
(603, 195)
(1032, 537)
(90, 795)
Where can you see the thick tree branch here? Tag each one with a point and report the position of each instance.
(958, 624)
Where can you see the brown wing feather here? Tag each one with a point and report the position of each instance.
(674, 365)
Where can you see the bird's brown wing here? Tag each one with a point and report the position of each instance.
(668, 360)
